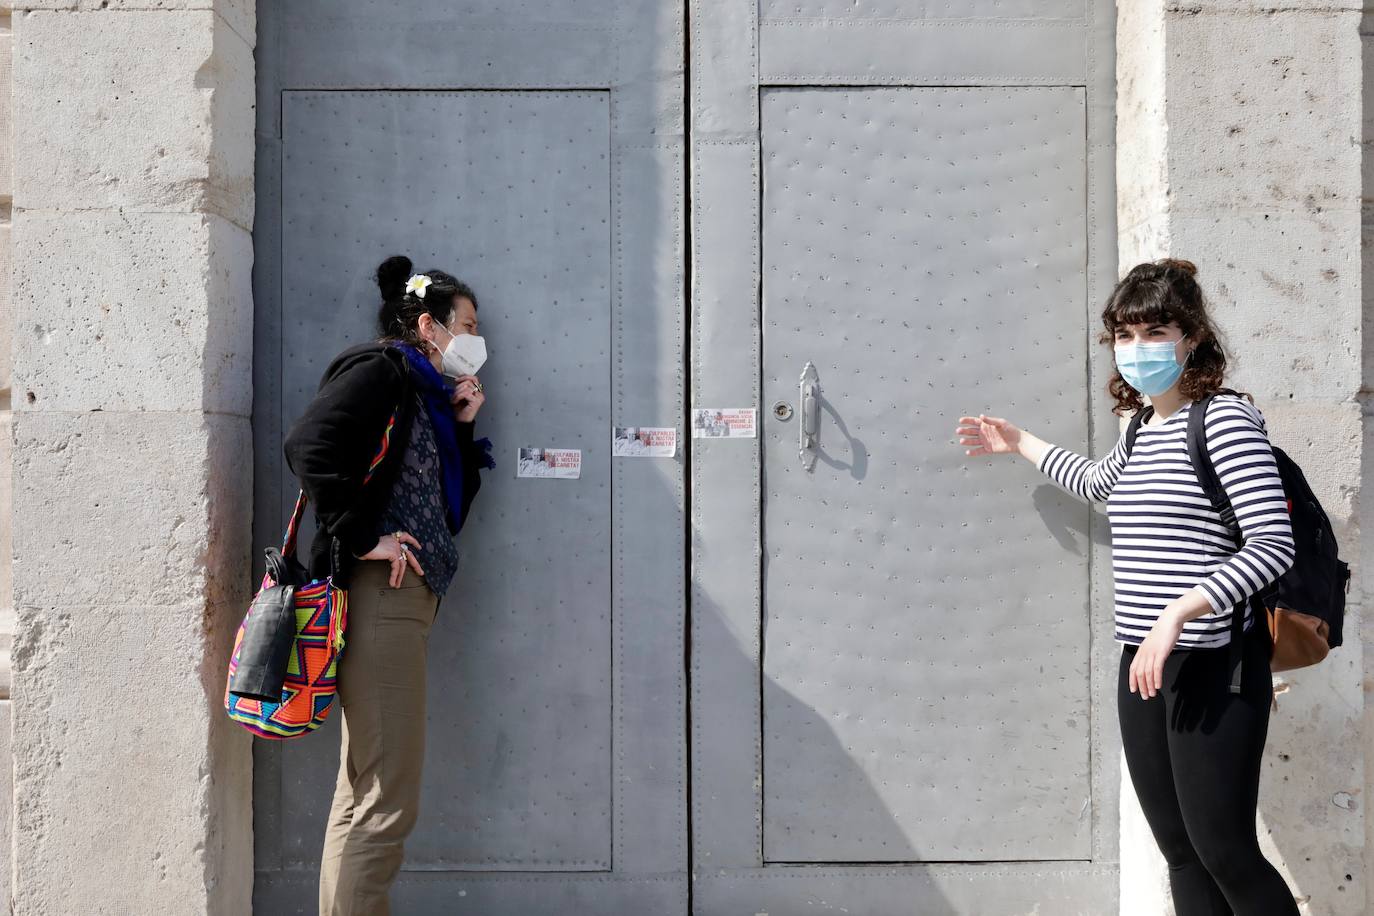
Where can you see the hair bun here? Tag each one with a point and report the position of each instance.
(392, 275)
(1187, 267)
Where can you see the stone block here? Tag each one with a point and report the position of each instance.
(1362, 582)
(6, 554)
(131, 509)
(132, 311)
(1311, 811)
(1367, 295)
(6, 312)
(1261, 8)
(6, 802)
(164, 103)
(1325, 439)
(1367, 104)
(1285, 292)
(6, 114)
(122, 775)
(1141, 128)
(1144, 873)
(240, 15)
(1264, 112)
(1145, 241)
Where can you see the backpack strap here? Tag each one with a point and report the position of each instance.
(1216, 495)
(1202, 461)
(1140, 417)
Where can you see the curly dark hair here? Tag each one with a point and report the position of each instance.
(399, 317)
(1160, 292)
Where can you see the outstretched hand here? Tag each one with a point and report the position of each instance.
(985, 435)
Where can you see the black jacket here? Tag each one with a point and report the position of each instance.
(331, 446)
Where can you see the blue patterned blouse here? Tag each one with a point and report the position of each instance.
(417, 506)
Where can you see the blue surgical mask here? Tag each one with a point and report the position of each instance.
(1150, 368)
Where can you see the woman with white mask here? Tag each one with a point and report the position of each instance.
(1193, 747)
(387, 521)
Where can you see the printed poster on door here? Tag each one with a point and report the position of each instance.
(554, 463)
(644, 442)
(719, 423)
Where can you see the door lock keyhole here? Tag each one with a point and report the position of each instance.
(782, 410)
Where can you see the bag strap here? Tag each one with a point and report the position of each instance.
(1140, 417)
(288, 546)
(1216, 495)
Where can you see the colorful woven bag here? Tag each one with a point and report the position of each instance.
(308, 684)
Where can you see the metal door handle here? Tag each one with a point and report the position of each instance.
(810, 415)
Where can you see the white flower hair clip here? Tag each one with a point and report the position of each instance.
(418, 284)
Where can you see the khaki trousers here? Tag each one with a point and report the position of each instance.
(382, 693)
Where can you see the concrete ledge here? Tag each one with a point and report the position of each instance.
(90, 283)
(145, 88)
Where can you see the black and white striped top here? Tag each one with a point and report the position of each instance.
(1166, 538)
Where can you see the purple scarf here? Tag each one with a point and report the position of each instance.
(435, 392)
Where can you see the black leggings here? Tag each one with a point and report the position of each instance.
(1193, 752)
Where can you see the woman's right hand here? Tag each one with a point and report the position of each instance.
(988, 435)
(395, 549)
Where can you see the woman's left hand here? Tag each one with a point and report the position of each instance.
(1147, 670)
(467, 399)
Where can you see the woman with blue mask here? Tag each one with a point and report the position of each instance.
(1192, 746)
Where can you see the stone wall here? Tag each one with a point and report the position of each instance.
(1239, 128)
(1238, 149)
(132, 457)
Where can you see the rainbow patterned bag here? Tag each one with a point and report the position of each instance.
(296, 631)
(310, 686)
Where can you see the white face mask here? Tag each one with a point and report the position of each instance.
(464, 355)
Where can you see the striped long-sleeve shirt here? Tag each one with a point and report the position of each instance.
(1167, 539)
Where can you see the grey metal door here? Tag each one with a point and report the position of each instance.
(895, 648)
(536, 151)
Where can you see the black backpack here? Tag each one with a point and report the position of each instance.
(1305, 607)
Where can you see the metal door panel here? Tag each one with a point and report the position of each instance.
(434, 44)
(518, 759)
(793, 712)
(556, 775)
(961, 52)
(293, 893)
(921, 247)
(1060, 889)
(923, 10)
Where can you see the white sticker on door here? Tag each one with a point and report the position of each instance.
(558, 463)
(644, 442)
(716, 423)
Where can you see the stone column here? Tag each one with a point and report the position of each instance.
(1238, 148)
(132, 457)
(6, 330)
